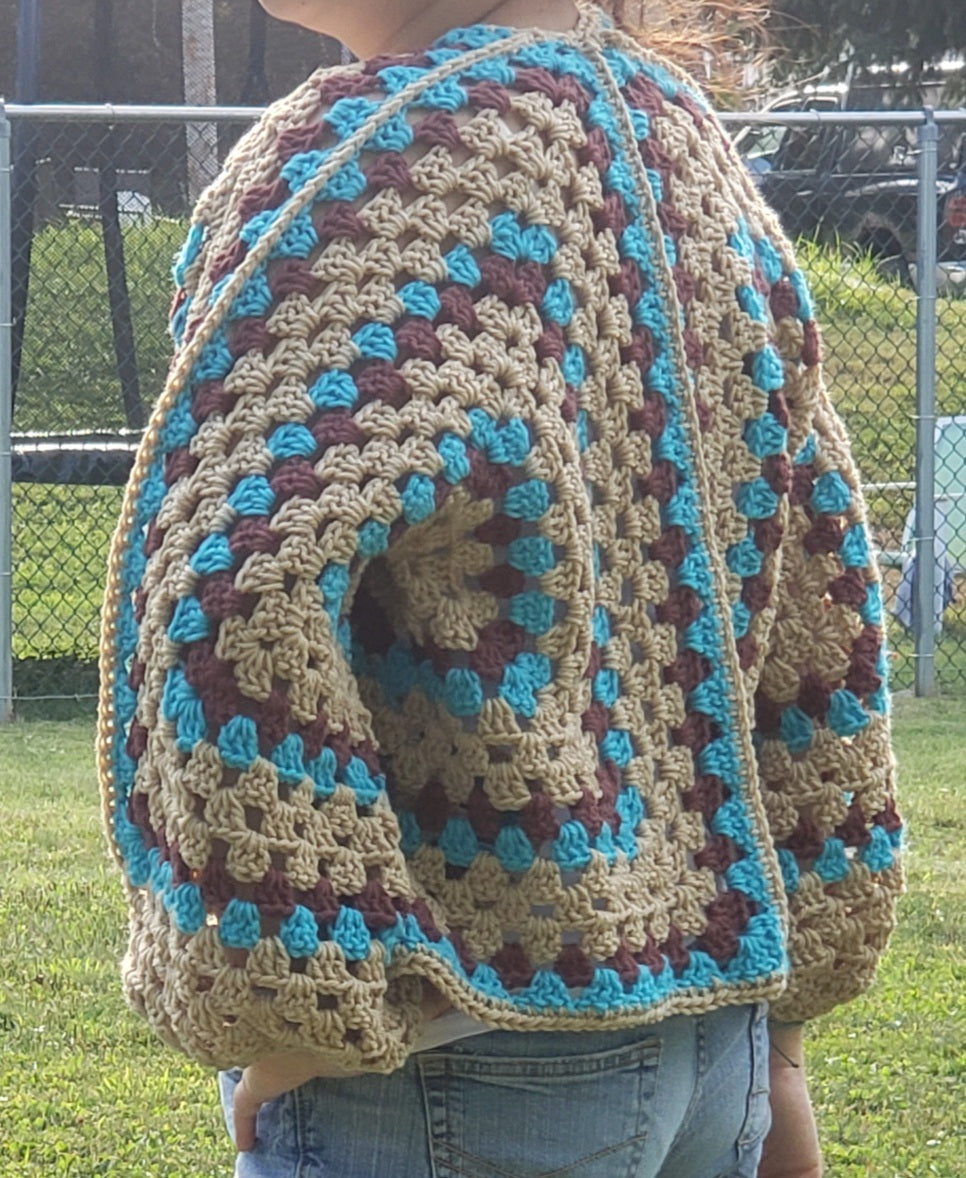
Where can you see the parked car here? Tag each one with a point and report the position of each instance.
(857, 184)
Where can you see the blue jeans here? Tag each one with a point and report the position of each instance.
(686, 1098)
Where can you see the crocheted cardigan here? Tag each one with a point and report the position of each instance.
(492, 603)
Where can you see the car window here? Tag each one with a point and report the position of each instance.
(877, 148)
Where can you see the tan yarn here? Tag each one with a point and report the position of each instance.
(546, 761)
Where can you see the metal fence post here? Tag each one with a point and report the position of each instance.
(6, 422)
(924, 584)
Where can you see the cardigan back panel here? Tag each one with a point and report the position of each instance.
(492, 603)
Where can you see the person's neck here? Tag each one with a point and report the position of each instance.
(371, 27)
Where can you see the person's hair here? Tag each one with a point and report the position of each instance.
(716, 40)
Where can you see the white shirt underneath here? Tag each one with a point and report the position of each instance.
(447, 1028)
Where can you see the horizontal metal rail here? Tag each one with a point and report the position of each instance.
(107, 112)
(841, 118)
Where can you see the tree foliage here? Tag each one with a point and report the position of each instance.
(815, 33)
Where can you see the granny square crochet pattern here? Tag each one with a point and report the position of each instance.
(492, 603)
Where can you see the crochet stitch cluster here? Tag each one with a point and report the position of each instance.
(492, 602)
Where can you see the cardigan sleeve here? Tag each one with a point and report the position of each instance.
(823, 733)
(804, 586)
(245, 791)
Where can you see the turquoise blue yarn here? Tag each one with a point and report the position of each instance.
(446, 95)
(854, 549)
(605, 845)
(740, 619)
(605, 991)
(617, 747)
(299, 169)
(252, 495)
(534, 611)
(240, 926)
(334, 390)
(188, 908)
(420, 299)
(348, 114)
(756, 500)
(702, 635)
(291, 440)
(287, 759)
(532, 555)
(456, 462)
(213, 555)
(462, 267)
(571, 848)
(752, 303)
(322, 770)
(741, 242)
(486, 980)
(511, 443)
(574, 366)
(702, 971)
(559, 303)
(334, 583)
(746, 876)
(583, 430)
(765, 436)
(871, 609)
(299, 933)
(771, 263)
(606, 686)
(514, 850)
(375, 341)
(348, 183)
(546, 992)
(238, 743)
(398, 77)
(215, 361)
(351, 935)
(373, 538)
(458, 842)
(529, 500)
(630, 808)
(179, 428)
(254, 299)
(846, 716)
(188, 254)
(797, 729)
(521, 681)
(832, 865)
(808, 451)
(831, 494)
(745, 558)
(878, 853)
(463, 692)
(418, 498)
(767, 370)
(791, 872)
(180, 704)
(806, 310)
(364, 784)
(601, 625)
(410, 834)
(394, 134)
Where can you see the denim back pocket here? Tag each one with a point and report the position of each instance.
(569, 1116)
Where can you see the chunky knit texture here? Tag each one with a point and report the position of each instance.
(492, 602)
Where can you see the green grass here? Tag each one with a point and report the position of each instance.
(69, 374)
(86, 1091)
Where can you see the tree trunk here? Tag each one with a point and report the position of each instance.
(122, 327)
(198, 68)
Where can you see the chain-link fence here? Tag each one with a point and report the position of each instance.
(97, 202)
